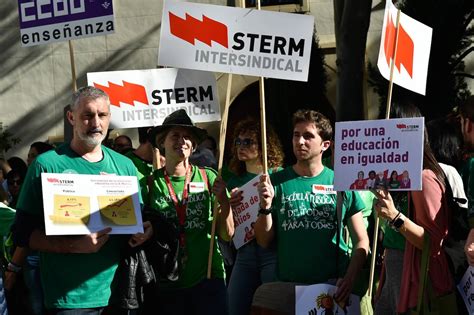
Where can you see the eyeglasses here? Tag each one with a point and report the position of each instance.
(247, 142)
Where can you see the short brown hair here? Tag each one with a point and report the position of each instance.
(323, 124)
(274, 152)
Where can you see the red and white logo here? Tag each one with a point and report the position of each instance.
(206, 31)
(412, 53)
(127, 93)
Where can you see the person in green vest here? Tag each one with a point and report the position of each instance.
(185, 195)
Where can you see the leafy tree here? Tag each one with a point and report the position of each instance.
(7, 140)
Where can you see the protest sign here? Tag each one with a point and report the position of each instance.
(236, 40)
(379, 153)
(140, 98)
(466, 288)
(317, 299)
(246, 213)
(77, 204)
(47, 21)
(413, 50)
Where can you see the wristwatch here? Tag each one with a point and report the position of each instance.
(264, 211)
(398, 223)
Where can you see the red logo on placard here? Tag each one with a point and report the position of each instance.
(206, 31)
(52, 180)
(401, 126)
(128, 93)
(405, 47)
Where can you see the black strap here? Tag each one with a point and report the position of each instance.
(339, 202)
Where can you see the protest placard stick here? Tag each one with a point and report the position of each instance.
(263, 128)
(156, 158)
(73, 67)
(219, 168)
(387, 116)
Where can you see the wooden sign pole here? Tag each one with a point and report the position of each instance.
(387, 116)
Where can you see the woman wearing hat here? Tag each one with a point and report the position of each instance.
(185, 194)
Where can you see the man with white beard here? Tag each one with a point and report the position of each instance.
(76, 271)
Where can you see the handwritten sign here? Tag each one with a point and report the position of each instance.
(385, 153)
(81, 204)
(317, 299)
(246, 213)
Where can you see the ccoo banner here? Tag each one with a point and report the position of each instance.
(47, 21)
(235, 40)
(140, 98)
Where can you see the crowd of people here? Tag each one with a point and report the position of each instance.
(302, 234)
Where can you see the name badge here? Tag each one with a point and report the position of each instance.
(196, 187)
(323, 189)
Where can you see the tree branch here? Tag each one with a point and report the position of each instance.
(463, 74)
(462, 56)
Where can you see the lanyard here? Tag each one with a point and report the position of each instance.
(180, 207)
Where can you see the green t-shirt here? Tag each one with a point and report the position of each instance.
(391, 238)
(305, 225)
(144, 169)
(7, 216)
(239, 181)
(197, 227)
(467, 172)
(74, 280)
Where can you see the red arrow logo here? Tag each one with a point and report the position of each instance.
(205, 31)
(405, 47)
(128, 93)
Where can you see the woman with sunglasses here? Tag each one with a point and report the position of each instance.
(254, 265)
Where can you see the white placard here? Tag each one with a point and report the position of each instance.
(246, 213)
(379, 153)
(317, 299)
(141, 98)
(466, 288)
(77, 204)
(413, 50)
(235, 40)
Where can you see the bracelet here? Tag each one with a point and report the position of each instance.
(13, 267)
(264, 211)
(395, 219)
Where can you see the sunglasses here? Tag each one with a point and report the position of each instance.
(247, 142)
(14, 182)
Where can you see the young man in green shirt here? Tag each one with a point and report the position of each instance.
(298, 211)
(76, 271)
